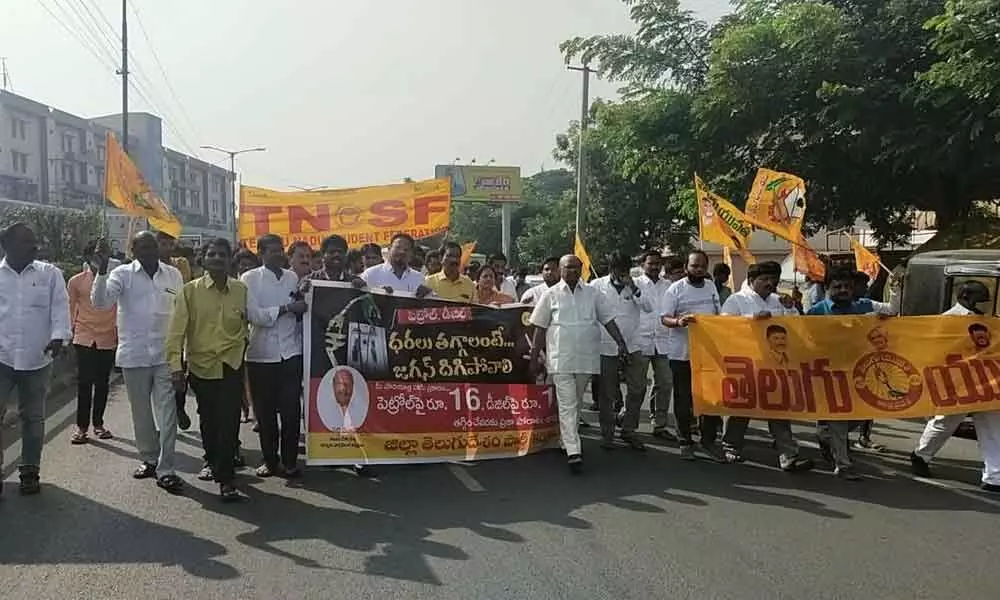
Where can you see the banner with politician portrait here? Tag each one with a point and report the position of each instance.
(845, 368)
(394, 379)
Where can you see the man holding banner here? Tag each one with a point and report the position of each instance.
(693, 295)
(761, 302)
(567, 322)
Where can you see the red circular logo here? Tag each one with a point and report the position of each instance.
(887, 381)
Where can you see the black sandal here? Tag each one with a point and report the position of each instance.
(145, 471)
(171, 483)
(228, 493)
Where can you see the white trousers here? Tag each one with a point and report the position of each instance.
(937, 431)
(570, 388)
(154, 415)
(988, 434)
(941, 427)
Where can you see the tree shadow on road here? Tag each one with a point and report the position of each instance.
(60, 527)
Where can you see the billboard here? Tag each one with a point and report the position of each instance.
(482, 183)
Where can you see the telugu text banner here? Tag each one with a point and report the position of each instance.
(394, 379)
(845, 368)
(360, 215)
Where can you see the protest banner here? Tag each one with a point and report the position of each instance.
(844, 368)
(360, 215)
(396, 379)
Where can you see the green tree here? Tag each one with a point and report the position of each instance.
(62, 233)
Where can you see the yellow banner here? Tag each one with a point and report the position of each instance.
(866, 261)
(581, 253)
(844, 368)
(360, 215)
(777, 203)
(125, 187)
(806, 259)
(722, 223)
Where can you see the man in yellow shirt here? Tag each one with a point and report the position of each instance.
(449, 283)
(210, 320)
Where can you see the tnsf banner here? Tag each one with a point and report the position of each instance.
(844, 368)
(360, 215)
(394, 379)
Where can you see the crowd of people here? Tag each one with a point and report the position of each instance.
(229, 326)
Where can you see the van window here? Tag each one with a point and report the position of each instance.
(988, 308)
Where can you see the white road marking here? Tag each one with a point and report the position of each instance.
(462, 474)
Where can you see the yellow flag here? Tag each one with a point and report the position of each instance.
(777, 203)
(125, 187)
(727, 258)
(806, 259)
(467, 249)
(581, 253)
(722, 223)
(867, 261)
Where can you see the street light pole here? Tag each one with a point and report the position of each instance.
(232, 173)
(581, 165)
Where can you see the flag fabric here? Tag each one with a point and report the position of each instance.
(125, 187)
(722, 223)
(727, 257)
(581, 253)
(777, 203)
(467, 249)
(867, 261)
(806, 260)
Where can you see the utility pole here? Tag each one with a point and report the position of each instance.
(236, 188)
(7, 85)
(581, 172)
(124, 73)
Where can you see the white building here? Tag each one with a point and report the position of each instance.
(52, 158)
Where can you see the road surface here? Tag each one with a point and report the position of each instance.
(643, 526)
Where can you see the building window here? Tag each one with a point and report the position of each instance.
(67, 172)
(99, 172)
(101, 150)
(175, 198)
(83, 173)
(196, 198)
(18, 129)
(19, 162)
(173, 174)
(67, 142)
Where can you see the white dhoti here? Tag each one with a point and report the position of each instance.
(570, 388)
(937, 431)
(988, 434)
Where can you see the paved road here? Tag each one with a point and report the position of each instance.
(635, 526)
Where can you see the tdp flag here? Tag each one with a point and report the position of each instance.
(727, 257)
(806, 260)
(777, 203)
(581, 253)
(467, 249)
(867, 261)
(720, 222)
(125, 187)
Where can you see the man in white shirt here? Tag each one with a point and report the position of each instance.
(395, 274)
(506, 283)
(761, 302)
(34, 326)
(693, 295)
(550, 277)
(567, 321)
(274, 357)
(144, 291)
(653, 338)
(940, 428)
(627, 305)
